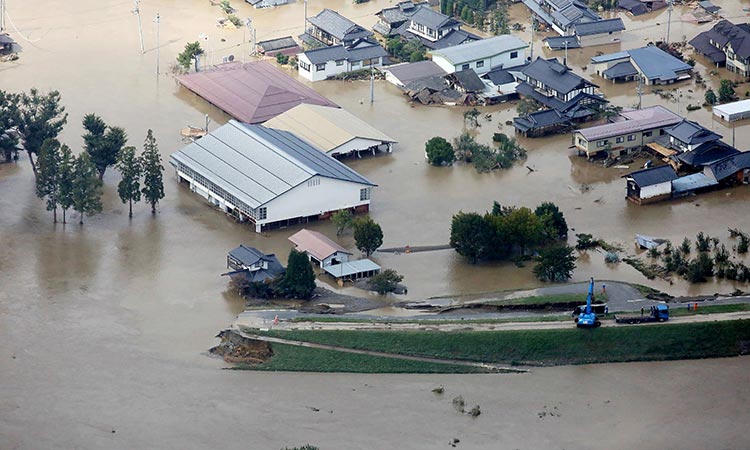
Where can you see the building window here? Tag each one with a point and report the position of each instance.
(465, 67)
(305, 66)
(262, 213)
(619, 140)
(480, 64)
(355, 64)
(320, 67)
(340, 62)
(647, 133)
(364, 194)
(513, 55)
(631, 137)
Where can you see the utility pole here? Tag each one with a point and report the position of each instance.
(2, 16)
(372, 85)
(157, 20)
(640, 91)
(248, 24)
(669, 19)
(137, 12)
(304, 28)
(533, 29)
(565, 61)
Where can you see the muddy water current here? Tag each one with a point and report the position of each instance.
(102, 327)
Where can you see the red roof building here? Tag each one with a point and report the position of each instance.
(252, 92)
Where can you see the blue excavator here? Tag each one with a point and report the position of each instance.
(587, 318)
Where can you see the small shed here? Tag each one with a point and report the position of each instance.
(353, 270)
(319, 248)
(732, 112)
(650, 185)
(285, 45)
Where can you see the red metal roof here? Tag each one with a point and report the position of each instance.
(252, 92)
(316, 244)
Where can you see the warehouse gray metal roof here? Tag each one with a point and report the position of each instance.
(258, 164)
(484, 48)
(349, 268)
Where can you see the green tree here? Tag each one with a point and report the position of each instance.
(465, 13)
(555, 264)
(87, 187)
(468, 231)
(153, 180)
(471, 118)
(129, 187)
(190, 55)
(685, 246)
(66, 180)
(585, 241)
(9, 117)
(527, 106)
(553, 218)
(368, 236)
(343, 219)
(386, 281)
(47, 180)
(710, 97)
(524, 228)
(102, 143)
(41, 117)
(726, 91)
(299, 279)
(439, 151)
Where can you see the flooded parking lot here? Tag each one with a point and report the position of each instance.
(102, 326)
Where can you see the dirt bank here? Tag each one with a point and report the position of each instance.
(235, 348)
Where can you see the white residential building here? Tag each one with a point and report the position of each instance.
(322, 63)
(481, 56)
(268, 177)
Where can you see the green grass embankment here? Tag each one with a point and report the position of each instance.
(290, 358)
(546, 347)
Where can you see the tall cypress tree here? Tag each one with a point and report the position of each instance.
(153, 182)
(65, 179)
(130, 167)
(47, 181)
(102, 143)
(299, 278)
(87, 187)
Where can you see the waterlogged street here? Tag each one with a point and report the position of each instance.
(104, 328)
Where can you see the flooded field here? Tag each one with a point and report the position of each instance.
(102, 326)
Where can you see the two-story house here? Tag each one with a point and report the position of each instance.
(331, 28)
(481, 56)
(726, 44)
(418, 21)
(555, 87)
(326, 62)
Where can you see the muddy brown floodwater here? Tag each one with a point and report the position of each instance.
(103, 327)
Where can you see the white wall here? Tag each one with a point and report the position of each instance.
(304, 200)
(503, 59)
(331, 68)
(656, 190)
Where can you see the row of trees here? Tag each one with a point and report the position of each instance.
(34, 120)
(67, 181)
(506, 231)
(465, 148)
